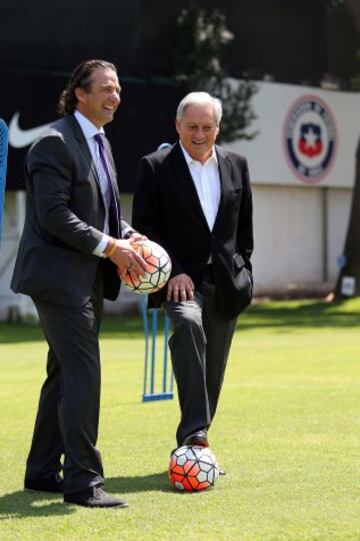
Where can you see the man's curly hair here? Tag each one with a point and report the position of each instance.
(80, 78)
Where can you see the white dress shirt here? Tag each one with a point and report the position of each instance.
(207, 183)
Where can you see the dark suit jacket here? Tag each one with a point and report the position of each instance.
(167, 209)
(64, 220)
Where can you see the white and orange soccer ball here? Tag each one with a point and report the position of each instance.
(158, 268)
(193, 468)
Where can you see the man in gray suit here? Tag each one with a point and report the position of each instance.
(73, 241)
(195, 200)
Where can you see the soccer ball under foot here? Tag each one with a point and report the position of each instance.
(193, 468)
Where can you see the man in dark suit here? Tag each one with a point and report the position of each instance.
(195, 200)
(72, 243)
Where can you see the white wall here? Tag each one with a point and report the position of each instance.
(12, 305)
(267, 155)
(8, 249)
(299, 226)
(293, 249)
(300, 221)
(299, 233)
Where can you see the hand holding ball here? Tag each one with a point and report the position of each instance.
(158, 268)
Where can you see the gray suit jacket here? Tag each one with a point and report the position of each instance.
(64, 220)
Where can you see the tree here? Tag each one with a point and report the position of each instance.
(351, 259)
(353, 7)
(201, 42)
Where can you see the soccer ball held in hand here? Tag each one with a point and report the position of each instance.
(158, 268)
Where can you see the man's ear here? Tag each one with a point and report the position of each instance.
(177, 122)
(80, 94)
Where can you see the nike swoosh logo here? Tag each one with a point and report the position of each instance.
(19, 138)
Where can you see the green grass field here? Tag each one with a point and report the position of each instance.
(287, 432)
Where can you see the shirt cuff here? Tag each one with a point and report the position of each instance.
(99, 250)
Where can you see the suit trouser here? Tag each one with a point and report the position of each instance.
(199, 346)
(68, 413)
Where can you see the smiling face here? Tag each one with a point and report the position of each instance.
(100, 102)
(198, 130)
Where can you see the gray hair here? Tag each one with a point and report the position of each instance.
(200, 98)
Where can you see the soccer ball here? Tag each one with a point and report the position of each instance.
(193, 468)
(158, 268)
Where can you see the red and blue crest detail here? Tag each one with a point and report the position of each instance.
(310, 139)
(310, 142)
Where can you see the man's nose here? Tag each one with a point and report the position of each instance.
(115, 96)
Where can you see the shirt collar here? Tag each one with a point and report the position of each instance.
(189, 159)
(89, 129)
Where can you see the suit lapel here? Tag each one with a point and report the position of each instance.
(84, 147)
(112, 170)
(225, 173)
(182, 173)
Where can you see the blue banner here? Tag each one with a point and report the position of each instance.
(3, 163)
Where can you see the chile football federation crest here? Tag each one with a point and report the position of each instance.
(310, 139)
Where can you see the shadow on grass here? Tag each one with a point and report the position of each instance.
(156, 482)
(300, 314)
(281, 315)
(22, 504)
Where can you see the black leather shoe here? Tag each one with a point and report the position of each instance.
(53, 484)
(197, 438)
(94, 497)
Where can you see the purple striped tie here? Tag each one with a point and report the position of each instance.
(114, 210)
